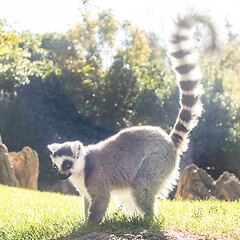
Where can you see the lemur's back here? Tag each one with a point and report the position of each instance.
(123, 154)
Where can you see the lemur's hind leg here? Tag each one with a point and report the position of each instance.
(145, 199)
(146, 183)
(150, 179)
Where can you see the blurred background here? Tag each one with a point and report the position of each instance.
(86, 69)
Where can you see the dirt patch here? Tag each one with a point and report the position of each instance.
(148, 234)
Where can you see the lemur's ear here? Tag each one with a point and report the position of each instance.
(76, 147)
(53, 147)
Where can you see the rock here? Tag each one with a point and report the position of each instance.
(195, 183)
(7, 175)
(26, 167)
(228, 187)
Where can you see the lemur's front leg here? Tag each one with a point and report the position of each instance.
(86, 204)
(98, 207)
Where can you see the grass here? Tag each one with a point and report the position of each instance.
(26, 214)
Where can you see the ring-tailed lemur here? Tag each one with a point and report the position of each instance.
(139, 163)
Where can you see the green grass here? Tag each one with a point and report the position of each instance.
(26, 214)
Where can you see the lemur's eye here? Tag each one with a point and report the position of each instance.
(67, 165)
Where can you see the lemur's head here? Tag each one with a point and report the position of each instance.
(68, 158)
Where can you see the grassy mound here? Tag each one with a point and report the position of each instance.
(27, 214)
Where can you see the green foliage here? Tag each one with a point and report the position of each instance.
(7, 39)
(117, 75)
(27, 214)
(110, 96)
(59, 50)
(23, 60)
(216, 138)
(231, 72)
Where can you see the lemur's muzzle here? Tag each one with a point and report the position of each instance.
(62, 176)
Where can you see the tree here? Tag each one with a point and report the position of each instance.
(231, 69)
(22, 60)
(215, 139)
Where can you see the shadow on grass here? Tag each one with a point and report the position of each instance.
(120, 226)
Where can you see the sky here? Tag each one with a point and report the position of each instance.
(151, 15)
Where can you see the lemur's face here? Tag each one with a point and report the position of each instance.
(67, 157)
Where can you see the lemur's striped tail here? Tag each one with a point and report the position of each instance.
(185, 61)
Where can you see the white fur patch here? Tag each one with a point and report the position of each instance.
(78, 181)
(193, 74)
(54, 147)
(124, 199)
(189, 58)
(58, 161)
(187, 44)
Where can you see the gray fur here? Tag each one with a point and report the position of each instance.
(138, 163)
(142, 160)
